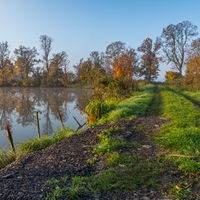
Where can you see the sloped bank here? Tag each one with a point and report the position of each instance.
(27, 178)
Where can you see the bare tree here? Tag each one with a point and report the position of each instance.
(175, 42)
(46, 46)
(4, 54)
(77, 69)
(114, 49)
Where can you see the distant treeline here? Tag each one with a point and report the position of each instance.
(117, 68)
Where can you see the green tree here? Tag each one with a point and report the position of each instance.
(85, 73)
(97, 71)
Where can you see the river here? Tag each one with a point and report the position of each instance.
(18, 107)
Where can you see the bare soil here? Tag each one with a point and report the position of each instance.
(26, 178)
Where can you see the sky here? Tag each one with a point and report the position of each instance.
(80, 27)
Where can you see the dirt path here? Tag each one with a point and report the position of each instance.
(26, 178)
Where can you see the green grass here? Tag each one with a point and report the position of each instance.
(130, 107)
(6, 157)
(108, 143)
(128, 171)
(136, 172)
(35, 144)
(31, 145)
(182, 134)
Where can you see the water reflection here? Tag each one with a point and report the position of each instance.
(19, 105)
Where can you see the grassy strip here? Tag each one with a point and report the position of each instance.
(182, 135)
(31, 145)
(130, 107)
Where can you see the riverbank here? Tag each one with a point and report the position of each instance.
(27, 178)
(116, 160)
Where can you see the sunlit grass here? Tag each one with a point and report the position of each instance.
(130, 107)
(182, 134)
(35, 144)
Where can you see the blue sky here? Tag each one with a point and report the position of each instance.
(82, 26)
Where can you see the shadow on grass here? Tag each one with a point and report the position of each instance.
(155, 107)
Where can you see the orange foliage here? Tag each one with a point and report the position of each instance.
(122, 66)
(193, 67)
(170, 75)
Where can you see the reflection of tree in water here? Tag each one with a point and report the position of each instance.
(47, 126)
(54, 103)
(6, 107)
(25, 106)
(82, 99)
(22, 103)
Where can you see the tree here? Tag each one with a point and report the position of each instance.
(46, 47)
(85, 72)
(58, 66)
(193, 61)
(97, 59)
(4, 54)
(149, 60)
(6, 66)
(98, 71)
(67, 78)
(25, 60)
(175, 42)
(170, 75)
(125, 67)
(194, 49)
(77, 69)
(113, 51)
(6, 74)
(37, 76)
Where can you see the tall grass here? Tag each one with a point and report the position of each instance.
(6, 157)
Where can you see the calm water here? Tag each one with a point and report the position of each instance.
(18, 107)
